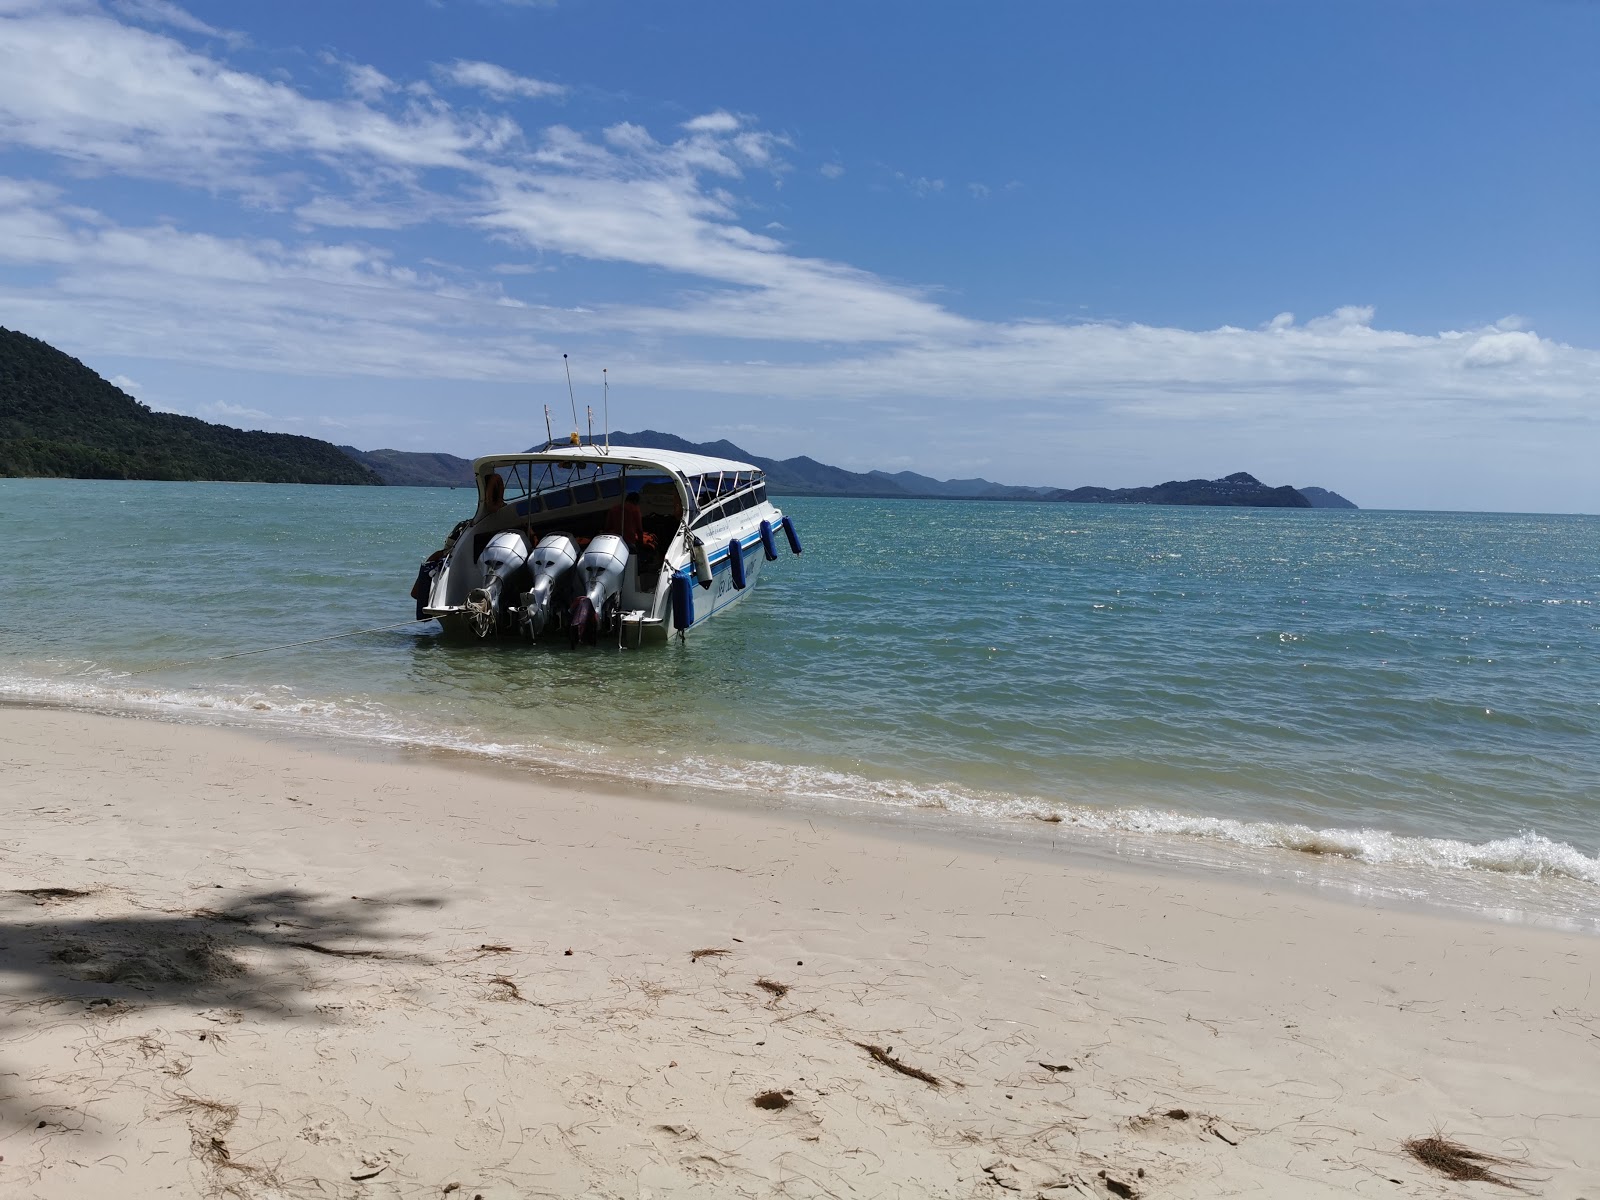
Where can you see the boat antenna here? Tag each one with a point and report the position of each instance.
(570, 396)
(606, 378)
(549, 438)
(589, 409)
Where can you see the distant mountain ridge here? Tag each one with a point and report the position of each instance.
(805, 476)
(60, 419)
(1323, 498)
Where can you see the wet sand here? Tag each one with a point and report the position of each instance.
(237, 966)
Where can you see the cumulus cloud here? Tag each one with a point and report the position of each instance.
(497, 81)
(715, 122)
(1502, 348)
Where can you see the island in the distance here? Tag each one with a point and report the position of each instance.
(804, 476)
(59, 418)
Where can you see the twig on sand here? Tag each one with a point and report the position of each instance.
(709, 952)
(1455, 1161)
(778, 990)
(210, 1122)
(879, 1055)
(230, 918)
(316, 948)
(510, 989)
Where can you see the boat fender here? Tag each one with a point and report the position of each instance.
(423, 586)
(789, 532)
(736, 563)
(769, 544)
(682, 602)
(702, 563)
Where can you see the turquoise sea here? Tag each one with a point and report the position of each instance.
(1400, 704)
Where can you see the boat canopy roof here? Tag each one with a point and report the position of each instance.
(674, 462)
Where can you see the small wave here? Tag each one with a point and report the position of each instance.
(1527, 855)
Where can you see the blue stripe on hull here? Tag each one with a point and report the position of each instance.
(723, 594)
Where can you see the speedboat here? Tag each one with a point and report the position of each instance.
(579, 542)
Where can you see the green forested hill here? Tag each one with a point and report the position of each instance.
(57, 417)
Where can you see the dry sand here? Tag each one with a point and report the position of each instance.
(262, 969)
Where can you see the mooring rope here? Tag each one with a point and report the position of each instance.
(285, 646)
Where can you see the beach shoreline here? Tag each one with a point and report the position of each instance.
(1327, 862)
(285, 969)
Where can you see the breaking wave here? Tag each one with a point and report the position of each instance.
(1526, 855)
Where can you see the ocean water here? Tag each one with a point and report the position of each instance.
(1402, 704)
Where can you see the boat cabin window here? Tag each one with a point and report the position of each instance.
(582, 499)
(721, 494)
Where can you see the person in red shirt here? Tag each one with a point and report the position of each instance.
(627, 520)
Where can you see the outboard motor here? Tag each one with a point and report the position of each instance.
(506, 553)
(600, 576)
(551, 560)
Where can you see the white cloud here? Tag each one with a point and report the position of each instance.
(714, 122)
(980, 191)
(222, 409)
(367, 81)
(349, 308)
(496, 81)
(1503, 348)
(164, 12)
(831, 170)
(120, 99)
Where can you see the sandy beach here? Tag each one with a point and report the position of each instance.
(238, 966)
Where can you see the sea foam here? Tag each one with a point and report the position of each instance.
(1526, 854)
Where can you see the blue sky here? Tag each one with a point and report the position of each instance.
(1346, 244)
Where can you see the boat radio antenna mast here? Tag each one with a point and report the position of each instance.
(549, 438)
(606, 385)
(589, 409)
(570, 396)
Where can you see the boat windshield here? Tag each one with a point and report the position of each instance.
(536, 490)
(719, 494)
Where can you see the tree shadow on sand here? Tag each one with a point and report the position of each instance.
(257, 954)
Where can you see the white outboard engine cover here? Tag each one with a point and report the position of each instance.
(601, 567)
(552, 558)
(505, 552)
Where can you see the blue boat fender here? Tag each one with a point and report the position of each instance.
(789, 532)
(736, 563)
(769, 544)
(682, 602)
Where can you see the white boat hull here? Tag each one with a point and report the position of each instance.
(672, 582)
